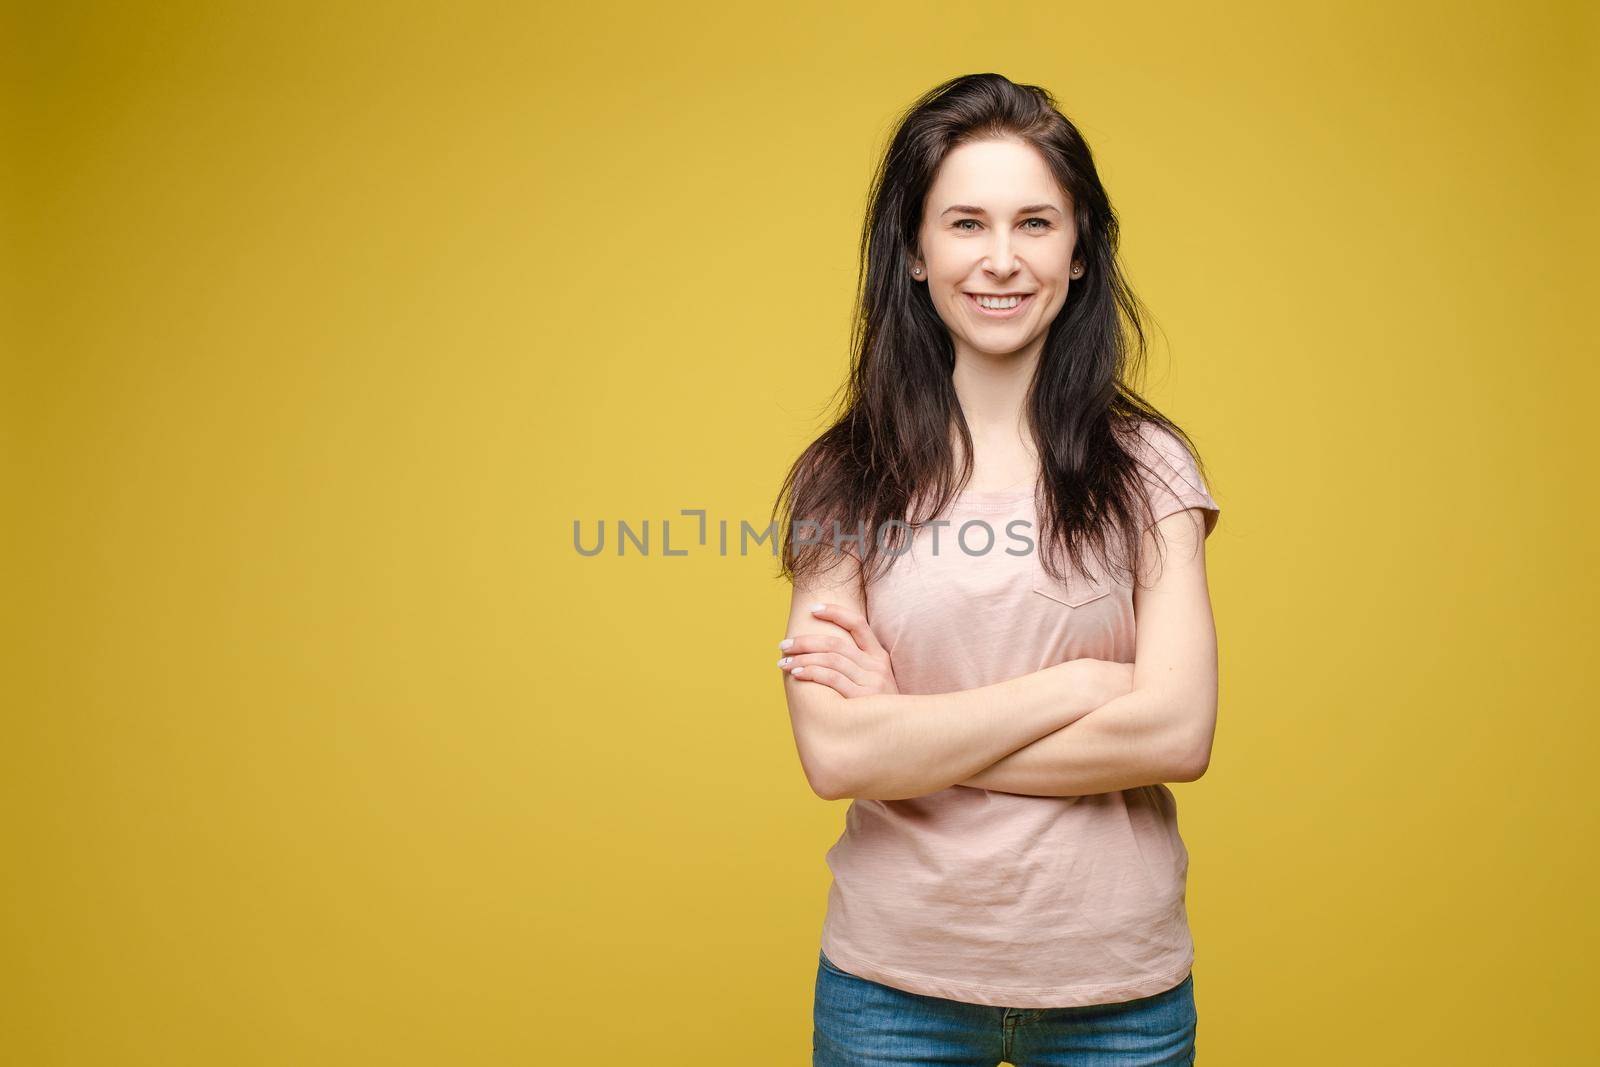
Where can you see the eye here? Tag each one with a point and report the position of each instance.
(1044, 224)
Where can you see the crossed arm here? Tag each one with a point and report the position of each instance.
(1080, 727)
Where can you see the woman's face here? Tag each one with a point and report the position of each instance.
(996, 224)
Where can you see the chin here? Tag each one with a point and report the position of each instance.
(1000, 349)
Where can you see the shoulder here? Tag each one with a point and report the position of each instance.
(1169, 470)
(1159, 446)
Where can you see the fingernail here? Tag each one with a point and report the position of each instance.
(796, 671)
(786, 642)
(818, 607)
(783, 662)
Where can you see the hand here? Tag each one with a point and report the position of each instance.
(855, 666)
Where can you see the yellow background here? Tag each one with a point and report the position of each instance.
(324, 746)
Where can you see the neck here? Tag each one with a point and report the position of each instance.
(992, 390)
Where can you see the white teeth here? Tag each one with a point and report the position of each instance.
(999, 303)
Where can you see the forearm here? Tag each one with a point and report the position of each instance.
(1143, 737)
(896, 745)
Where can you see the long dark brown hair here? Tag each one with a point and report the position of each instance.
(889, 446)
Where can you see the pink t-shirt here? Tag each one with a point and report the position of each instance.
(998, 898)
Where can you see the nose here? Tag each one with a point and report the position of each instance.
(1001, 260)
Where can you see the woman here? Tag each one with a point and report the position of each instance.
(987, 518)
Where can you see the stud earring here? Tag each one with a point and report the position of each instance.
(916, 270)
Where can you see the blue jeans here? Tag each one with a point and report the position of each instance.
(862, 1023)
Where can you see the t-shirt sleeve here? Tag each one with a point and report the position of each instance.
(1173, 481)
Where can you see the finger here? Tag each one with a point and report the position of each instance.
(853, 621)
(844, 646)
(830, 678)
(832, 660)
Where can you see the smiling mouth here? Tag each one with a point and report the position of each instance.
(1004, 306)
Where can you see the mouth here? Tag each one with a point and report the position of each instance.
(1002, 306)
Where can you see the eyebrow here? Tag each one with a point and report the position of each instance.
(969, 209)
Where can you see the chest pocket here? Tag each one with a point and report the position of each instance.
(1076, 590)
